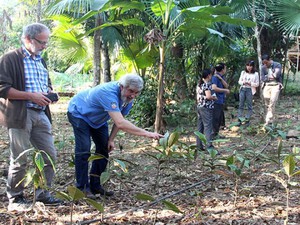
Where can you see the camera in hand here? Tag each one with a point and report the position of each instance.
(52, 96)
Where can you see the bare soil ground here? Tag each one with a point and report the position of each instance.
(204, 195)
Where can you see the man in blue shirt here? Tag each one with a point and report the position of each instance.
(89, 112)
(220, 87)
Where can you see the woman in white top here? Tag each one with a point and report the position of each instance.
(249, 80)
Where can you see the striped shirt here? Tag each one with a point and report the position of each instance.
(36, 76)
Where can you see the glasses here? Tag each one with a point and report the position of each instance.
(41, 42)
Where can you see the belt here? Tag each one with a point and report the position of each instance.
(35, 109)
(271, 84)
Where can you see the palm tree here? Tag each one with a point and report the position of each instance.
(172, 21)
(70, 48)
(77, 9)
(106, 18)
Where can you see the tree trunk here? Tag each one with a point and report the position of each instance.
(257, 33)
(180, 84)
(159, 127)
(38, 11)
(105, 62)
(97, 55)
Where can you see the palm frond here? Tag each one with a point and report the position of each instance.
(287, 12)
(72, 7)
(66, 38)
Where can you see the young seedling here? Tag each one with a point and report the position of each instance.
(169, 205)
(236, 164)
(289, 169)
(36, 174)
(73, 195)
(166, 150)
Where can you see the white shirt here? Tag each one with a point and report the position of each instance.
(251, 78)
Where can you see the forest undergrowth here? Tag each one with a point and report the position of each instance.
(247, 179)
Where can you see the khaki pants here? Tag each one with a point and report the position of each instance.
(270, 94)
(38, 134)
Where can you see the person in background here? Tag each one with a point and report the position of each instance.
(249, 81)
(205, 105)
(89, 112)
(271, 79)
(220, 87)
(24, 83)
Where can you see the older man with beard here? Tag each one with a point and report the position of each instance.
(24, 83)
(89, 112)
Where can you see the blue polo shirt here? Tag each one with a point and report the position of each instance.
(221, 95)
(93, 105)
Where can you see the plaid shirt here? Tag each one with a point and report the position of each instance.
(36, 76)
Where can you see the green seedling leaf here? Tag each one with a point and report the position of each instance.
(171, 206)
(212, 152)
(51, 160)
(247, 163)
(251, 142)
(230, 160)
(75, 193)
(104, 177)
(234, 124)
(296, 173)
(63, 196)
(159, 148)
(120, 164)
(282, 134)
(36, 180)
(242, 119)
(221, 140)
(164, 141)
(201, 137)
(95, 157)
(235, 169)
(244, 162)
(144, 197)
(28, 177)
(289, 164)
(95, 204)
(268, 128)
(173, 138)
(39, 161)
(24, 153)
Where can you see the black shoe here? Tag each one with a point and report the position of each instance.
(18, 203)
(49, 200)
(219, 137)
(89, 194)
(101, 191)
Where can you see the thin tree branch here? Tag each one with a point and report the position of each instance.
(149, 204)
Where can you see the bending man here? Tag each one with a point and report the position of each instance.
(89, 112)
